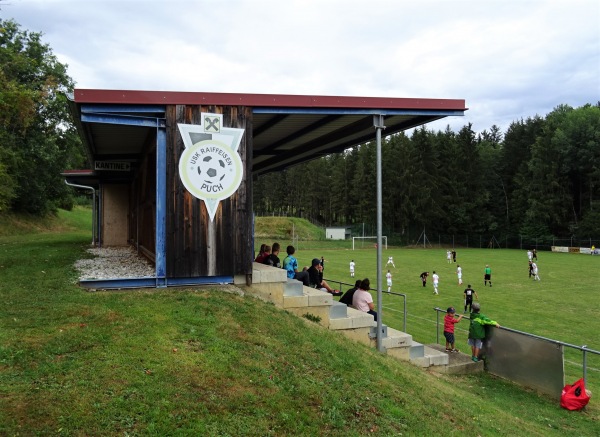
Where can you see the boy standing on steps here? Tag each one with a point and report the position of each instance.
(449, 322)
(477, 330)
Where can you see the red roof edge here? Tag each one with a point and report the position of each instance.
(137, 97)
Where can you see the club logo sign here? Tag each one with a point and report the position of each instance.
(210, 167)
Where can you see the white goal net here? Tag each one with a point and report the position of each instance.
(367, 242)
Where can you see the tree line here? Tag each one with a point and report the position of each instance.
(539, 179)
(37, 137)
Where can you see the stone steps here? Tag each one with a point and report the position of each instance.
(271, 284)
(458, 363)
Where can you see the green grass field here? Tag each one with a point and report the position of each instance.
(563, 306)
(204, 361)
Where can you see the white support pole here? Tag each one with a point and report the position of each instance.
(378, 123)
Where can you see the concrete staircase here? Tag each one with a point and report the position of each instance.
(272, 285)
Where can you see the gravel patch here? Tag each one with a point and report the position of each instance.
(124, 262)
(114, 262)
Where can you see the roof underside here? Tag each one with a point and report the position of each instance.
(287, 129)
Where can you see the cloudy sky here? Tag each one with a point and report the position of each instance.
(509, 59)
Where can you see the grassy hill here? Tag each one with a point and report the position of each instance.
(285, 228)
(211, 361)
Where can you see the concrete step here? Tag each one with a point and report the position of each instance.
(431, 357)
(268, 283)
(262, 273)
(292, 287)
(310, 297)
(313, 303)
(459, 363)
(373, 332)
(354, 319)
(338, 310)
(357, 326)
(399, 345)
(417, 350)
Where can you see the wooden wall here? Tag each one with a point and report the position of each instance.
(142, 209)
(195, 246)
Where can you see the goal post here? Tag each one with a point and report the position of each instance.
(373, 239)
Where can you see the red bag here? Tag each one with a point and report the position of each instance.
(574, 397)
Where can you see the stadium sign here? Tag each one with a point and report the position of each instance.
(210, 167)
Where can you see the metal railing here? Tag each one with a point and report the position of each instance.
(392, 293)
(584, 349)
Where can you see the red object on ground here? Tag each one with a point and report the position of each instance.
(574, 397)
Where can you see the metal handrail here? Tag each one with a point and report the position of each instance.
(583, 348)
(393, 293)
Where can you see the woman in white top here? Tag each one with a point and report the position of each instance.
(362, 299)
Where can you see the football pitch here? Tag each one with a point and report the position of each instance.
(562, 306)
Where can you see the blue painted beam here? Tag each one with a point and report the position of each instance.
(203, 280)
(161, 207)
(140, 109)
(125, 283)
(112, 284)
(121, 119)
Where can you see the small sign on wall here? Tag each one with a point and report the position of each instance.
(112, 166)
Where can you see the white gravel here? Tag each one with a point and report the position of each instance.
(114, 262)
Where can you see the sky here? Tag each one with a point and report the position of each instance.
(508, 59)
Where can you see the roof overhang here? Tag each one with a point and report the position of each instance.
(286, 129)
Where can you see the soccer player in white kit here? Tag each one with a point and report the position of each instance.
(352, 269)
(449, 256)
(391, 261)
(436, 279)
(388, 276)
(459, 274)
(536, 277)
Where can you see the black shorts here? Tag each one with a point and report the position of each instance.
(487, 277)
(449, 337)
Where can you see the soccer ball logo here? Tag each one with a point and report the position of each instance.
(211, 169)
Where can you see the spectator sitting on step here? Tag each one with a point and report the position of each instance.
(348, 295)
(264, 254)
(261, 250)
(315, 275)
(273, 259)
(290, 264)
(362, 299)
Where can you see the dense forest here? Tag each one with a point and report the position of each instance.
(539, 179)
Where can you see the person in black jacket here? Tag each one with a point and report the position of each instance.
(348, 295)
(423, 277)
(273, 260)
(315, 275)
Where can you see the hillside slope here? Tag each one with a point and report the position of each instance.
(212, 361)
(286, 228)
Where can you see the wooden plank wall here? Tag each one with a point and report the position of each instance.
(142, 205)
(191, 250)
